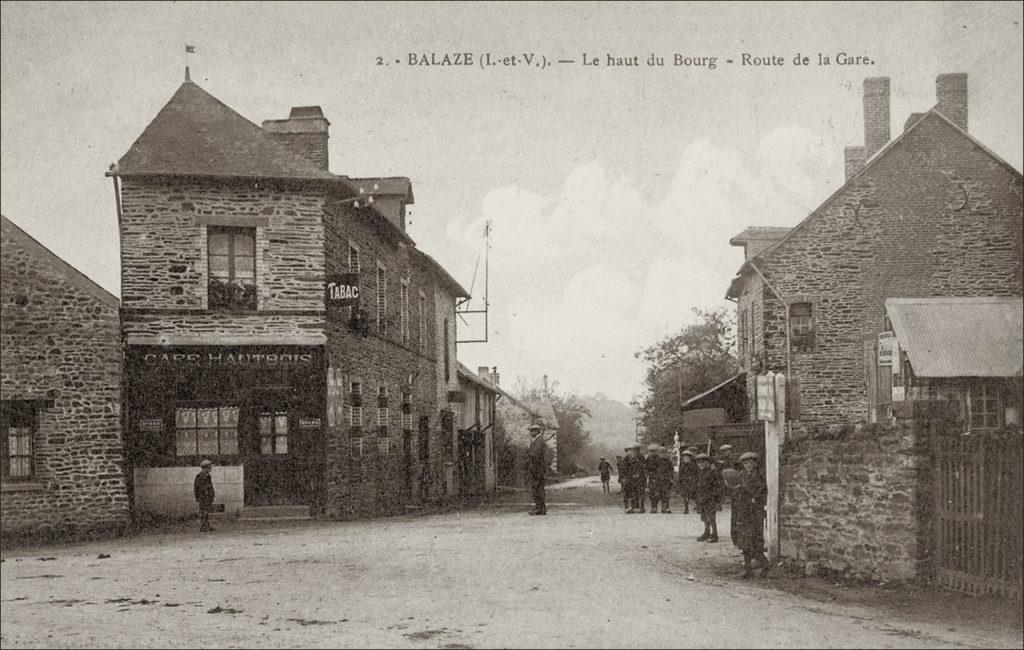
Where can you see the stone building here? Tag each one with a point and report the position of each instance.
(60, 395)
(279, 320)
(929, 213)
(477, 412)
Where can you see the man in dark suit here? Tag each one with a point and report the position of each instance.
(536, 465)
(204, 493)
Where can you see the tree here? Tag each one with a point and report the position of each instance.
(699, 357)
(573, 437)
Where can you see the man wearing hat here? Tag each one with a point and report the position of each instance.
(536, 464)
(633, 478)
(605, 468)
(204, 493)
(709, 493)
(687, 479)
(661, 483)
(748, 501)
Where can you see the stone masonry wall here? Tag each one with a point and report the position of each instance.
(59, 341)
(935, 216)
(376, 483)
(855, 500)
(164, 262)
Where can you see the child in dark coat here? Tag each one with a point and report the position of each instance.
(708, 496)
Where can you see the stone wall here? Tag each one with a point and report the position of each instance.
(164, 234)
(934, 216)
(377, 482)
(60, 345)
(856, 500)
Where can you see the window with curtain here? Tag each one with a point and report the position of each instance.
(232, 268)
(801, 327)
(18, 424)
(206, 430)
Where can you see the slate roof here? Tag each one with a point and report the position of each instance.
(460, 292)
(197, 134)
(386, 186)
(759, 233)
(474, 378)
(736, 286)
(960, 337)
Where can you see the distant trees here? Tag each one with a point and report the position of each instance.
(573, 436)
(698, 357)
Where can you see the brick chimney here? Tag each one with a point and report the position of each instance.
(304, 132)
(854, 159)
(876, 115)
(951, 93)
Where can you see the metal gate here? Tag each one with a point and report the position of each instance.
(978, 505)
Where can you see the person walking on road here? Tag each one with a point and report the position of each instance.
(606, 474)
(687, 479)
(748, 501)
(204, 493)
(536, 465)
(709, 493)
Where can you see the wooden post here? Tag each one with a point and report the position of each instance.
(774, 435)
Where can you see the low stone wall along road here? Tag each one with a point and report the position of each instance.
(586, 575)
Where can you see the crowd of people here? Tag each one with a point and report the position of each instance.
(647, 480)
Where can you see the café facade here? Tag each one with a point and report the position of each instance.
(279, 321)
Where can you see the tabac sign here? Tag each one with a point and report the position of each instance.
(342, 290)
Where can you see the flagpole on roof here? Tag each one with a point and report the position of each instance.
(189, 49)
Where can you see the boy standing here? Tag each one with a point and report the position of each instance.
(709, 493)
(204, 493)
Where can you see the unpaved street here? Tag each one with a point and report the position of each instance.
(584, 576)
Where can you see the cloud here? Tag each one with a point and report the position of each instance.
(583, 280)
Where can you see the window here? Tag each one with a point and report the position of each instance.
(750, 330)
(206, 431)
(355, 415)
(357, 447)
(801, 327)
(353, 258)
(232, 268)
(741, 333)
(985, 407)
(18, 420)
(447, 366)
(404, 306)
(355, 408)
(382, 407)
(384, 446)
(273, 432)
(423, 322)
(407, 420)
(382, 301)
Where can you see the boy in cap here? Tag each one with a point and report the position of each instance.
(748, 501)
(665, 472)
(709, 492)
(204, 493)
(651, 464)
(606, 474)
(536, 464)
(634, 479)
(687, 479)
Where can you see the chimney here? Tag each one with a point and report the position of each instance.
(304, 132)
(483, 373)
(854, 159)
(914, 117)
(876, 115)
(495, 377)
(951, 93)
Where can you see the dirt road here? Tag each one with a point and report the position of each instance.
(584, 576)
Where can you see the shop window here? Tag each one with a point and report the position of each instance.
(232, 268)
(18, 422)
(206, 431)
(801, 327)
(273, 433)
(985, 407)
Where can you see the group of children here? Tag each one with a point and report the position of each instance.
(705, 481)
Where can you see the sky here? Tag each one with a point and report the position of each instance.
(612, 191)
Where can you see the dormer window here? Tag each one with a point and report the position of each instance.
(232, 268)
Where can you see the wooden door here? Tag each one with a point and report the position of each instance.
(274, 473)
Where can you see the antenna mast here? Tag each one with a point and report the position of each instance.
(487, 248)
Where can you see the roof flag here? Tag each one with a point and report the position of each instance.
(190, 49)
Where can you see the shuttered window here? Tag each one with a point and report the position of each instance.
(18, 423)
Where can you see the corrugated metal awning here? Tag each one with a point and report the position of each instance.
(960, 337)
